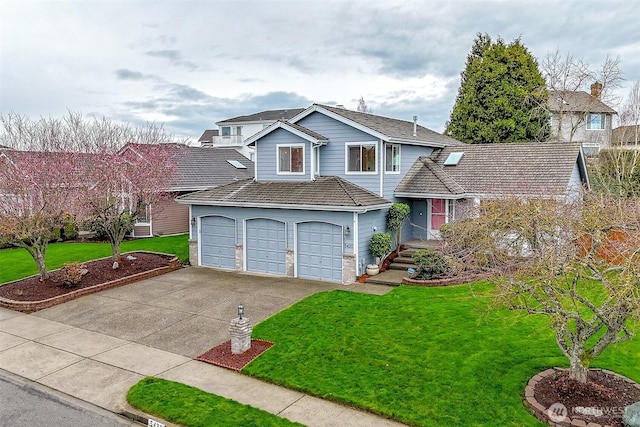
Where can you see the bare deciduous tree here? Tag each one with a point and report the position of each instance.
(577, 262)
(565, 75)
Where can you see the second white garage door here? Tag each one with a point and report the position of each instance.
(266, 246)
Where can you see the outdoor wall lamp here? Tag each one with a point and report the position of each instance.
(347, 231)
(240, 311)
(193, 221)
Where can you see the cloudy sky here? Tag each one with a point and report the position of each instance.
(189, 64)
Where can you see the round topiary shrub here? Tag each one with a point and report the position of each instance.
(431, 264)
(380, 245)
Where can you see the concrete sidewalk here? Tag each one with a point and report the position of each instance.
(96, 347)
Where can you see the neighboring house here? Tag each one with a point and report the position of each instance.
(198, 169)
(578, 116)
(324, 182)
(232, 133)
(626, 137)
(206, 139)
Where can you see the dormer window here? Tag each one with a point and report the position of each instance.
(595, 121)
(361, 158)
(290, 159)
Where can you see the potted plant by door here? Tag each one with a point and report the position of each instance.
(379, 247)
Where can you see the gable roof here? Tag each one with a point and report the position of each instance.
(493, 169)
(295, 129)
(385, 128)
(264, 116)
(325, 193)
(577, 102)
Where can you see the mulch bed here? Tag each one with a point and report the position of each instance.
(100, 271)
(221, 355)
(603, 391)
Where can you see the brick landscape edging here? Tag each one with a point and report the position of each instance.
(31, 306)
(540, 412)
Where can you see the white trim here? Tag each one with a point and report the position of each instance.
(292, 145)
(356, 249)
(338, 117)
(281, 125)
(360, 144)
(381, 168)
(360, 209)
(392, 144)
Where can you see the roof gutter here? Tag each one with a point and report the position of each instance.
(359, 209)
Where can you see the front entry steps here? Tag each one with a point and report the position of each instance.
(398, 268)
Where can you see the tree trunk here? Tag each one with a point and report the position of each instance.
(115, 251)
(38, 256)
(577, 371)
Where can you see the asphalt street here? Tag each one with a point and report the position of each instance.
(25, 403)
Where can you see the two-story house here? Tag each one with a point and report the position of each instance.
(578, 116)
(232, 133)
(325, 179)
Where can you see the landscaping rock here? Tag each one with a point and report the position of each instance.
(631, 415)
(115, 265)
(131, 258)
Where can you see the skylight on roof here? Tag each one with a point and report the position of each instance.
(454, 158)
(236, 164)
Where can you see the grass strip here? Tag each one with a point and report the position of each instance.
(192, 407)
(16, 263)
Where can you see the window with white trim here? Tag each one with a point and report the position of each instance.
(361, 158)
(392, 158)
(290, 159)
(595, 121)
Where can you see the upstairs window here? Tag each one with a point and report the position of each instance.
(361, 158)
(392, 158)
(290, 159)
(595, 121)
(225, 130)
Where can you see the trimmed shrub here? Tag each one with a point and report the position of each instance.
(431, 263)
(380, 244)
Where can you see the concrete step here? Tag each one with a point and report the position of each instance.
(401, 266)
(404, 259)
(389, 278)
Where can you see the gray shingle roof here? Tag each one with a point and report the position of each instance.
(200, 168)
(266, 116)
(393, 128)
(525, 169)
(207, 135)
(325, 193)
(577, 102)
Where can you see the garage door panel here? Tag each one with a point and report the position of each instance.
(319, 251)
(218, 242)
(266, 246)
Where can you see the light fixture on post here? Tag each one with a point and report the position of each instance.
(347, 231)
(240, 311)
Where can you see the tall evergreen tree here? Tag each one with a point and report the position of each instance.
(502, 95)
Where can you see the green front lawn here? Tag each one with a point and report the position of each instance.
(423, 356)
(17, 263)
(191, 407)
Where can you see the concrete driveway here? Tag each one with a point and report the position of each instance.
(185, 312)
(96, 347)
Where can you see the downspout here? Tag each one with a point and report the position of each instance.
(381, 167)
(355, 243)
(313, 163)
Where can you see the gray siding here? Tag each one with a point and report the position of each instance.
(366, 224)
(408, 155)
(267, 159)
(332, 156)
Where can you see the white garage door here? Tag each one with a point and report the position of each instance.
(319, 252)
(218, 242)
(266, 246)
